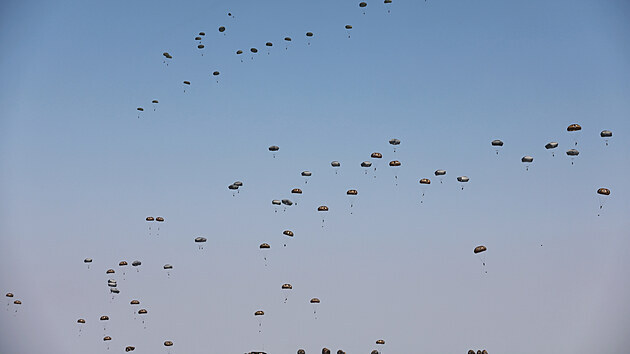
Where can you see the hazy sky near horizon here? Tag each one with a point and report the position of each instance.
(80, 170)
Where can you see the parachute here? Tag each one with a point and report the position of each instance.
(606, 134)
(603, 195)
(259, 313)
(325, 351)
(322, 208)
(527, 160)
(424, 183)
(380, 341)
(168, 267)
(200, 47)
(200, 240)
(297, 192)
(497, 145)
(463, 179)
(186, 83)
(366, 165)
(301, 351)
(221, 29)
(394, 142)
(168, 343)
(352, 195)
(288, 233)
(348, 28)
(572, 153)
(550, 146)
(80, 320)
(130, 348)
(287, 40)
(135, 302)
(110, 271)
(574, 129)
(478, 250)
(395, 163)
(315, 302)
(440, 175)
(264, 247)
(87, 261)
(274, 148)
(362, 5)
(202, 33)
(309, 35)
(387, 4)
(106, 338)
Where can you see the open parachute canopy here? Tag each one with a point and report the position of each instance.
(480, 249)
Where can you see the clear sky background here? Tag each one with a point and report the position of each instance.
(79, 172)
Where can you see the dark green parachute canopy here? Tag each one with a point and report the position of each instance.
(362, 4)
(463, 179)
(301, 351)
(186, 82)
(440, 172)
(221, 29)
(149, 218)
(253, 50)
(394, 163)
(239, 52)
(87, 260)
(274, 148)
(288, 39)
(497, 143)
(104, 318)
(573, 152)
(306, 174)
(376, 155)
(394, 141)
(287, 233)
(287, 286)
(287, 202)
(197, 38)
(232, 187)
(202, 33)
(605, 134)
(140, 109)
(551, 145)
(348, 27)
(216, 73)
(471, 352)
(136, 263)
(574, 127)
(527, 159)
(142, 312)
(315, 300)
(352, 192)
(340, 352)
(134, 302)
(603, 191)
(80, 320)
(130, 348)
(106, 338)
(374, 351)
(296, 191)
(168, 343)
(480, 249)
(168, 266)
(269, 44)
(335, 164)
(276, 202)
(159, 219)
(259, 313)
(201, 46)
(264, 246)
(387, 1)
(425, 181)
(200, 239)
(322, 208)
(366, 164)
(155, 101)
(380, 341)
(309, 34)
(325, 351)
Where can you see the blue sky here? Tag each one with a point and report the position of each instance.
(79, 172)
